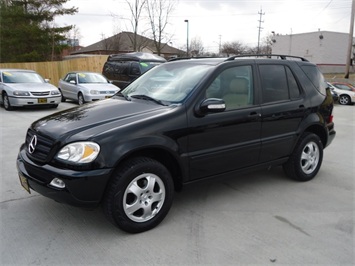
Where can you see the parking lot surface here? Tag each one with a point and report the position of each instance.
(261, 218)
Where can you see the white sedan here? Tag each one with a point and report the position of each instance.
(86, 87)
(345, 96)
(22, 87)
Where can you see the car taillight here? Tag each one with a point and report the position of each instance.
(330, 120)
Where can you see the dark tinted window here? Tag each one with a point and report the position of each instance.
(274, 83)
(316, 78)
(292, 85)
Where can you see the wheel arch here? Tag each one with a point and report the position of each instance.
(161, 149)
(319, 131)
(315, 124)
(164, 157)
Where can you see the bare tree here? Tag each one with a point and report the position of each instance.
(196, 47)
(158, 13)
(233, 48)
(136, 7)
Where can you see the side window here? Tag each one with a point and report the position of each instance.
(233, 85)
(135, 70)
(316, 77)
(292, 84)
(274, 83)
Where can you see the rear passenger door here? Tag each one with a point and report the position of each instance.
(282, 110)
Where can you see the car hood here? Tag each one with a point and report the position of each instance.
(89, 120)
(99, 86)
(31, 86)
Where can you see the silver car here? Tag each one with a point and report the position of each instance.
(86, 87)
(21, 87)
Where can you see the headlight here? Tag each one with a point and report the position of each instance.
(94, 92)
(79, 152)
(55, 92)
(21, 93)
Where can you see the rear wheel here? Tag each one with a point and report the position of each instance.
(81, 99)
(306, 159)
(139, 195)
(344, 99)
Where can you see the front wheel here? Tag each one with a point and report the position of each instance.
(139, 195)
(81, 99)
(6, 102)
(306, 159)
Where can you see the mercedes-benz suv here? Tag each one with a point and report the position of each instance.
(181, 122)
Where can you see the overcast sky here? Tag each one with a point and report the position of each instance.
(214, 21)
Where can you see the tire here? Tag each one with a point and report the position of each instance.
(63, 99)
(139, 195)
(6, 102)
(81, 99)
(306, 159)
(344, 100)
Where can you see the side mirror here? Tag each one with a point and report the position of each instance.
(211, 105)
(72, 82)
(47, 80)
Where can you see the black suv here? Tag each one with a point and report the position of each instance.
(180, 122)
(122, 69)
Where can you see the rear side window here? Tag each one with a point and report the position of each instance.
(278, 83)
(316, 77)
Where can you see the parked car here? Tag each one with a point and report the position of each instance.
(344, 86)
(345, 97)
(181, 122)
(86, 87)
(122, 69)
(21, 87)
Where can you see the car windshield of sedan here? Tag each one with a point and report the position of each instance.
(91, 78)
(168, 83)
(21, 77)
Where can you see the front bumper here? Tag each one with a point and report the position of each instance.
(96, 97)
(82, 188)
(29, 101)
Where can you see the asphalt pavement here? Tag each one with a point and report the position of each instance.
(261, 218)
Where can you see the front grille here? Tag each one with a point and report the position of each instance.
(42, 149)
(40, 93)
(107, 92)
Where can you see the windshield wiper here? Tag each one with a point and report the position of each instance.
(145, 97)
(123, 95)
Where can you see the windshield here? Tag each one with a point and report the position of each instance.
(21, 77)
(168, 82)
(91, 78)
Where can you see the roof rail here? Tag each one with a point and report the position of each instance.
(277, 56)
(186, 58)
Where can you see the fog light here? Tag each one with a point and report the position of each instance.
(58, 183)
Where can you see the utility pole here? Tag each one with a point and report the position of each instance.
(260, 28)
(351, 33)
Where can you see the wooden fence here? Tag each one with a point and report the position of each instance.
(57, 69)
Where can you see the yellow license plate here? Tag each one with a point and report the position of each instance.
(24, 183)
(42, 100)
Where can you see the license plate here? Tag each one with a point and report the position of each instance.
(24, 183)
(42, 100)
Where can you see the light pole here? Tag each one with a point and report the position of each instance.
(187, 37)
